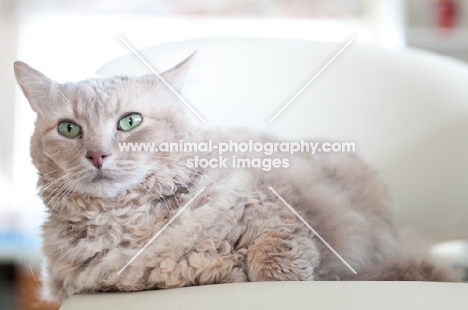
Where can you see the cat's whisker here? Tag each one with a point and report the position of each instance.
(33, 217)
(64, 193)
(188, 187)
(52, 183)
(176, 180)
(54, 180)
(43, 175)
(32, 220)
(197, 170)
(143, 185)
(177, 201)
(59, 191)
(157, 197)
(33, 275)
(47, 185)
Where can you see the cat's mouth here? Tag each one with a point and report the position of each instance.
(105, 183)
(101, 178)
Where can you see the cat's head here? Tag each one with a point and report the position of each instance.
(80, 125)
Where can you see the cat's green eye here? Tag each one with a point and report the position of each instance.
(130, 121)
(69, 129)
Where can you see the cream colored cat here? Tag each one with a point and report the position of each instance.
(104, 205)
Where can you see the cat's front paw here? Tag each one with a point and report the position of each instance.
(272, 257)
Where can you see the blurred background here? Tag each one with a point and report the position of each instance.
(70, 40)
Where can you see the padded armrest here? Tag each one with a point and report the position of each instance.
(286, 295)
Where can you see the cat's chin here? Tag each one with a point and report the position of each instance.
(105, 185)
(103, 188)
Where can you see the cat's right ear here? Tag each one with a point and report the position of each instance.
(35, 85)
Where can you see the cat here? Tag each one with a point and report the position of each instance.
(104, 205)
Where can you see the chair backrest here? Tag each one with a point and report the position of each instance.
(407, 111)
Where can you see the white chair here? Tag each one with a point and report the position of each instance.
(407, 112)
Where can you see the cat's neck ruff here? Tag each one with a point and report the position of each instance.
(70, 205)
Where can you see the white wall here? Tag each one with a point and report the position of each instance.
(8, 37)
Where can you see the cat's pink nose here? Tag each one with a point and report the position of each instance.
(97, 157)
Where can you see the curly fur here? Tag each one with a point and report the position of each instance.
(236, 231)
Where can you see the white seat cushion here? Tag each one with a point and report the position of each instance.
(286, 295)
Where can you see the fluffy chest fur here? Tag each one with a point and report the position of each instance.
(105, 234)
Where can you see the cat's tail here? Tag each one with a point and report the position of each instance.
(406, 270)
(413, 262)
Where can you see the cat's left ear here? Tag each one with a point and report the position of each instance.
(177, 75)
